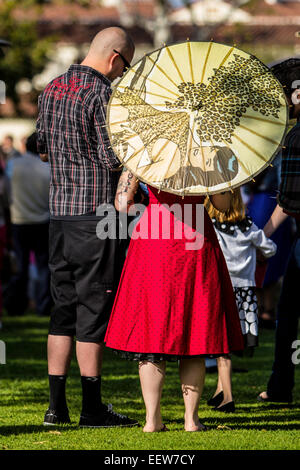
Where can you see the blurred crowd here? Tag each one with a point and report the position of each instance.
(24, 225)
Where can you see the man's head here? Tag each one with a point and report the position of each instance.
(111, 52)
(31, 143)
(288, 74)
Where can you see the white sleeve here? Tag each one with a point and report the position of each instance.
(261, 242)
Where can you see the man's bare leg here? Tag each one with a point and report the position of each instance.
(59, 354)
(89, 357)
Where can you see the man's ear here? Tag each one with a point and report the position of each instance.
(112, 60)
(295, 97)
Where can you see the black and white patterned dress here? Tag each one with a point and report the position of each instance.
(247, 306)
(245, 295)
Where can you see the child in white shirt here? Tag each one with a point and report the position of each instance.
(239, 239)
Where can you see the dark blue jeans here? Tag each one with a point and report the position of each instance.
(281, 381)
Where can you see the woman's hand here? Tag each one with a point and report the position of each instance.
(221, 201)
(127, 187)
(44, 157)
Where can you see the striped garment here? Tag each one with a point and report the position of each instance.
(70, 130)
(289, 190)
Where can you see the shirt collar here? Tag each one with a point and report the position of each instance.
(229, 227)
(85, 69)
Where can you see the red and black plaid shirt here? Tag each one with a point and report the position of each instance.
(70, 130)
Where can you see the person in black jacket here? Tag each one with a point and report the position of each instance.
(281, 381)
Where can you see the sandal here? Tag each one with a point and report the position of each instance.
(164, 429)
(202, 428)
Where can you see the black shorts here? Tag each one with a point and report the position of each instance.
(85, 273)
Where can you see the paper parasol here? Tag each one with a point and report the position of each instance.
(197, 118)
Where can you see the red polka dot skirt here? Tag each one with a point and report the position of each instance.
(174, 301)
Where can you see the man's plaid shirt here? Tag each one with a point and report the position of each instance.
(289, 191)
(71, 130)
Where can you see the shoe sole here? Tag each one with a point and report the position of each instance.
(55, 424)
(104, 427)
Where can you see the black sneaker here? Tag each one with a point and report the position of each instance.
(52, 417)
(107, 418)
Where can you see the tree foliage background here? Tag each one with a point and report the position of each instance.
(28, 54)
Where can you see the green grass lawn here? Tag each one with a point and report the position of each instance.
(24, 399)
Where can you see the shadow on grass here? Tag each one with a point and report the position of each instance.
(33, 429)
(24, 325)
(212, 425)
(283, 423)
(263, 408)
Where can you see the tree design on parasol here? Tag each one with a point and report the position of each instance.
(231, 90)
(197, 118)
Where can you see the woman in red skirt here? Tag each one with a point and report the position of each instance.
(175, 299)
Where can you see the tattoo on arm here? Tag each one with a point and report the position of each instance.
(124, 186)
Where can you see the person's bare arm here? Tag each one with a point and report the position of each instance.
(221, 201)
(276, 219)
(127, 187)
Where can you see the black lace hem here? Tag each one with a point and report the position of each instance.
(158, 357)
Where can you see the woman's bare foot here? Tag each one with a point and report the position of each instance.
(154, 423)
(194, 426)
(153, 428)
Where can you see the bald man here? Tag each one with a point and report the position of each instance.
(84, 269)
